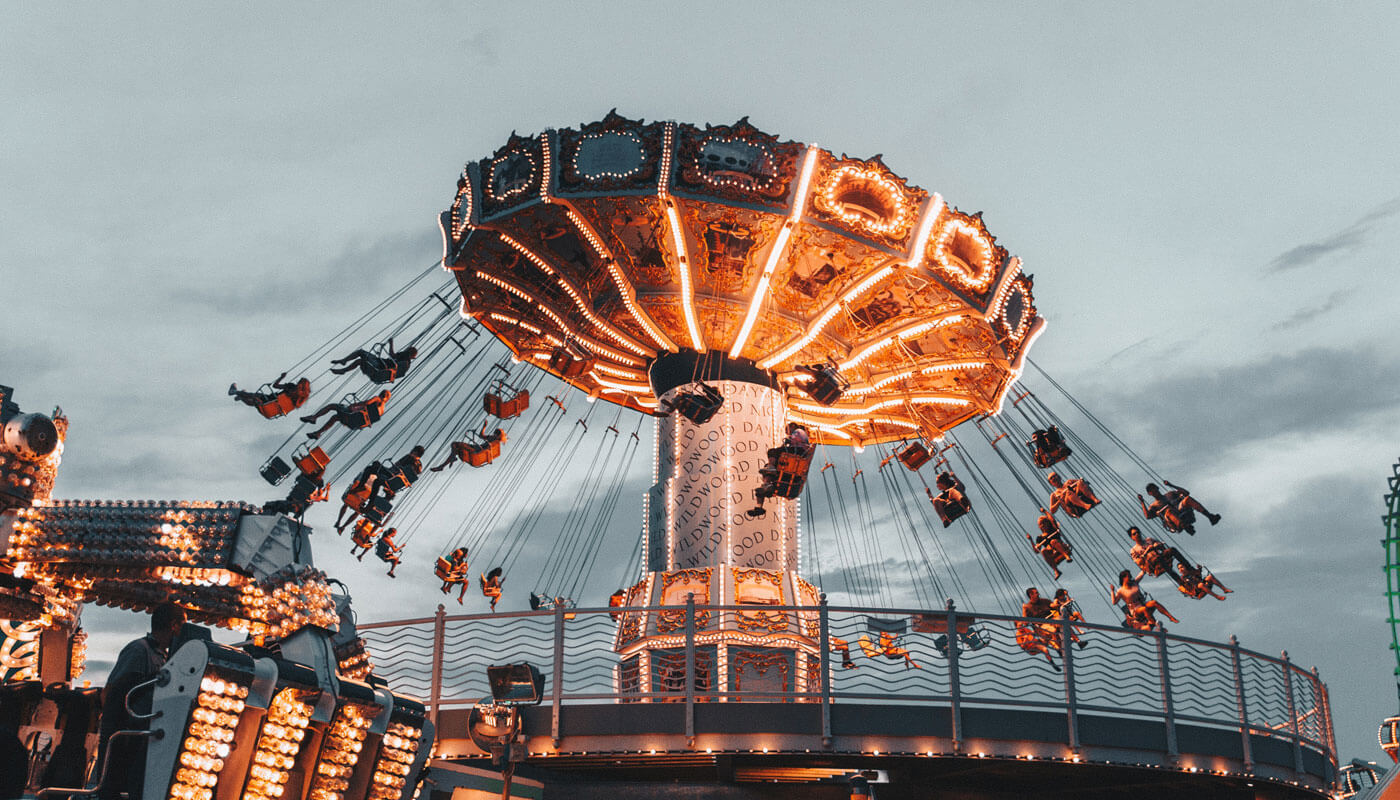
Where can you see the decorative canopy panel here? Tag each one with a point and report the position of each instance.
(591, 252)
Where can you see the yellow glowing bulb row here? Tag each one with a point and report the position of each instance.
(396, 753)
(557, 320)
(294, 604)
(344, 740)
(876, 181)
(576, 296)
(278, 745)
(976, 274)
(515, 190)
(663, 175)
(820, 323)
(209, 738)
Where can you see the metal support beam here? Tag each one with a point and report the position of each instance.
(1168, 707)
(435, 686)
(1071, 704)
(824, 624)
(690, 669)
(954, 696)
(1239, 699)
(1287, 667)
(557, 690)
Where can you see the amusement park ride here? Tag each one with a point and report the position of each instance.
(767, 303)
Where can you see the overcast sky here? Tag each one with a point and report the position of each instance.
(1208, 196)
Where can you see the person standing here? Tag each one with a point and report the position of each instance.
(139, 661)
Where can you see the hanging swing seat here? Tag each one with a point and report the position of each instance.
(479, 455)
(282, 403)
(792, 471)
(1036, 638)
(915, 456)
(699, 406)
(827, 386)
(311, 460)
(377, 509)
(507, 403)
(568, 365)
(400, 477)
(275, 470)
(1048, 447)
(446, 573)
(364, 533)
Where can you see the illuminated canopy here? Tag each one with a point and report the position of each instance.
(591, 252)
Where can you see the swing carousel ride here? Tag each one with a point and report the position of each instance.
(797, 325)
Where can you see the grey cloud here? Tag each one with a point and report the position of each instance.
(1318, 390)
(1349, 238)
(1332, 302)
(362, 272)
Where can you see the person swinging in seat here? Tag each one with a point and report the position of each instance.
(385, 550)
(1154, 557)
(477, 454)
(1073, 496)
(385, 368)
(357, 496)
(698, 406)
(1065, 608)
(1197, 582)
(355, 416)
(279, 400)
(1139, 610)
(950, 503)
(491, 585)
(786, 471)
(1038, 638)
(453, 571)
(888, 647)
(826, 385)
(362, 538)
(1050, 543)
(1048, 447)
(1176, 508)
(306, 490)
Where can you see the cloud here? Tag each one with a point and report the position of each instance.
(1302, 315)
(1314, 391)
(362, 272)
(1347, 239)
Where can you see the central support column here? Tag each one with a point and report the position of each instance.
(706, 477)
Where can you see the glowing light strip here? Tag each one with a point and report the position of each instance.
(624, 287)
(620, 387)
(902, 423)
(568, 286)
(546, 166)
(922, 399)
(994, 309)
(621, 373)
(596, 347)
(907, 332)
(687, 290)
(944, 366)
(663, 175)
(931, 215)
(775, 254)
(820, 323)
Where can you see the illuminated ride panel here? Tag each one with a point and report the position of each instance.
(592, 252)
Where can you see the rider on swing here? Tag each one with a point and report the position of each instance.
(379, 369)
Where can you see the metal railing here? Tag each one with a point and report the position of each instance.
(1096, 669)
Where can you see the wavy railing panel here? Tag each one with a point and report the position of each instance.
(876, 655)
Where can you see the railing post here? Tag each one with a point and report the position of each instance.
(1325, 703)
(954, 696)
(1292, 713)
(435, 686)
(824, 628)
(557, 697)
(690, 669)
(1168, 707)
(1239, 698)
(1071, 704)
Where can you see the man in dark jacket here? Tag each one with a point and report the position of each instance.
(139, 661)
